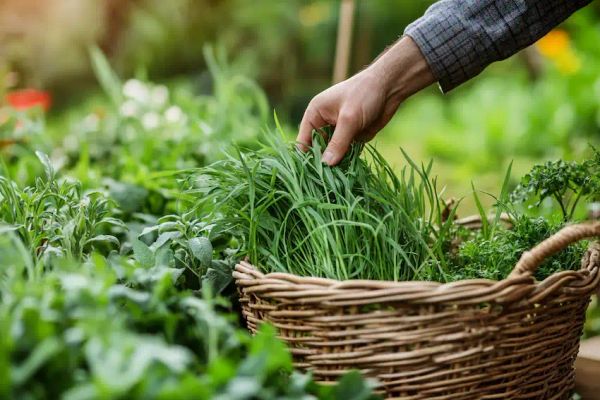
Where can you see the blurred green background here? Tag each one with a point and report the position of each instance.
(542, 103)
(211, 71)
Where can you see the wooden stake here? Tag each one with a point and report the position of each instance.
(344, 41)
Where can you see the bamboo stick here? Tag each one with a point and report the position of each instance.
(344, 40)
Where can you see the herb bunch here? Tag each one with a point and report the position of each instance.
(356, 221)
(492, 252)
(494, 256)
(567, 183)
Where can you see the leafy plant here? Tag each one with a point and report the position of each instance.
(564, 182)
(592, 320)
(197, 245)
(495, 256)
(492, 252)
(360, 220)
(55, 217)
(113, 328)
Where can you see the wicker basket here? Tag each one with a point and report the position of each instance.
(473, 339)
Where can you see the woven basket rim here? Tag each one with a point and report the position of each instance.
(307, 290)
(244, 267)
(523, 269)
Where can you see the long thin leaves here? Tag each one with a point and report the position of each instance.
(356, 221)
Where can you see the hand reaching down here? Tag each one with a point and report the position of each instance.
(362, 105)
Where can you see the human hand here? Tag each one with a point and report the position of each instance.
(362, 105)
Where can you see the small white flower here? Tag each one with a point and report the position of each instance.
(91, 122)
(71, 143)
(136, 89)
(160, 95)
(84, 202)
(150, 120)
(174, 114)
(129, 108)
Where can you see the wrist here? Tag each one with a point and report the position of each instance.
(403, 70)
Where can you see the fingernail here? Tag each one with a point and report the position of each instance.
(327, 157)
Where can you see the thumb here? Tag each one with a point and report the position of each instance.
(340, 142)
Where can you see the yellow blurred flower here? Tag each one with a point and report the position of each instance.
(554, 43)
(556, 46)
(568, 63)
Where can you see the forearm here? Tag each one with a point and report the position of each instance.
(403, 69)
(459, 38)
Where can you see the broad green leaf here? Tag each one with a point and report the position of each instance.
(103, 238)
(165, 257)
(164, 238)
(217, 279)
(202, 250)
(143, 254)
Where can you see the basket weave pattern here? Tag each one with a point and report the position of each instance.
(472, 339)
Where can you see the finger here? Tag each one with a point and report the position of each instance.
(312, 119)
(345, 131)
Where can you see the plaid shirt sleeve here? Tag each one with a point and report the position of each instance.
(459, 38)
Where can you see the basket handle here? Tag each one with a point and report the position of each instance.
(531, 259)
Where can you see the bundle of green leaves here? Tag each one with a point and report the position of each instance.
(359, 220)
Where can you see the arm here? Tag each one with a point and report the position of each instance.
(453, 42)
(459, 38)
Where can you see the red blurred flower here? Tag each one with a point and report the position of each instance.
(29, 98)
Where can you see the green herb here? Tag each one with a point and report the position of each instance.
(495, 256)
(55, 217)
(565, 182)
(197, 246)
(202, 250)
(492, 252)
(356, 221)
(592, 319)
(113, 328)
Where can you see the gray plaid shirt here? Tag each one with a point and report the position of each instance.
(459, 38)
